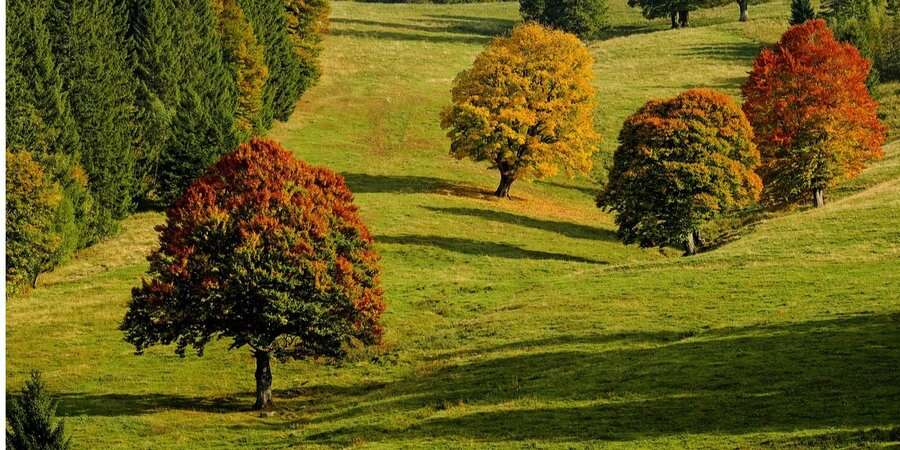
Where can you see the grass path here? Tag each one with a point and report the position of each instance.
(519, 323)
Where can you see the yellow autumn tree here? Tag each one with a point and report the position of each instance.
(247, 59)
(526, 106)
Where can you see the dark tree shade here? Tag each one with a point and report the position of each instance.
(267, 251)
(29, 420)
(681, 162)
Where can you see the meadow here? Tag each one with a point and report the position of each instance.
(520, 323)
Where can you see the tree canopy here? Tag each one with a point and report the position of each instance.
(267, 251)
(815, 122)
(681, 162)
(526, 106)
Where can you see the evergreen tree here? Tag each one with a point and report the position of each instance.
(29, 420)
(801, 11)
(157, 58)
(288, 77)
(203, 124)
(89, 45)
(38, 115)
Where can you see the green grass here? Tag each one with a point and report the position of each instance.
(519, 323)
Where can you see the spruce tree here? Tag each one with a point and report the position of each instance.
(288, 77)
(89, 46)
(29, 419)
(203, 124)
(801, 11)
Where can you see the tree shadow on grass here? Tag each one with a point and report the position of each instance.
(363, 183)
(572, 230)
(768, 378)
(401, 36)
(745, 51)
(482, 248)
(484, 27)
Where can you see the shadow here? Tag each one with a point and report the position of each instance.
(439, 29)
(363, 183)
(617, 31)
(588, 191)
(481, 248)
(754, 379)
(841, 439)
(745, 51)
(111, 405)
(572, 230)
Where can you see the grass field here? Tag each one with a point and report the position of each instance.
(520, 323)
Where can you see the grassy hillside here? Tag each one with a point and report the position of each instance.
(519, 323)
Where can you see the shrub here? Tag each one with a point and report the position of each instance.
(814, 119)
(29, 419)
(265, 250)
(681, 162)
(801, 11)
(584, 18)
(526, 105)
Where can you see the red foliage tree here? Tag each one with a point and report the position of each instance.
(814, 119)
(265, 250)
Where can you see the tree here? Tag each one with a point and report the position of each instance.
(267, 251)
(246, 58)
(90, 51)
(679, 10)
(32, 201)
(815, 122)
(289, 76)
(526, 105)
(801, 11)
(307, 21)
(584, 18)
(29, 419)
(203, 127)
(681, 162)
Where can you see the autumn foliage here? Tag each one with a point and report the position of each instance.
(814, 119)
(681, 162)
(267, 251)
(526, 105)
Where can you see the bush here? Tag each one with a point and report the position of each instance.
(583, 18)
(801, 11)
(680, 163)
(814, 119)
(29, 419)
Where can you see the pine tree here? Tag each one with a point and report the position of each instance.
(801, 11)
(157, 57)
(89, 45)
(30, 420)
(203, 125)
(288, 77)
(38, 114)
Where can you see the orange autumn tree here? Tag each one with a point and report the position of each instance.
(526, 106)
(814, 119)
(268, 252)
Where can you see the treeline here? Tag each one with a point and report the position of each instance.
(115, 104)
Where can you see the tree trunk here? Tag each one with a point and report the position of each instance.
(683, 19)
(819, 198)
(506, 181)
(690, 247)
(674, 17)
(34, 281)
(263, 382)
(744, 15)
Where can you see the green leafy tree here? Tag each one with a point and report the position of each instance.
(681, 162)
(679, 10)
(801, 11)
(29, 419)
(307, 21)
(583, 18)
(289, 75)
(267, 251)
(89, 46)
(32, 201)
